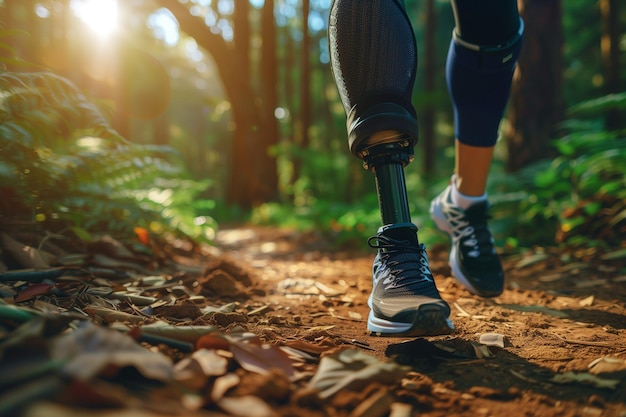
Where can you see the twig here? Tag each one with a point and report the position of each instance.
(463, 312)
(582, 342)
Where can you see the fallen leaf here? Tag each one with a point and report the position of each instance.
(194, 371)
(248, 406)
(50, 409)
(352, 369)
(531, 260)
(33, 291)
(213, 341)
(492, 339)
(481, 351)
(585, 379)
(354, 315)
(109, 315)
(607, 365)
(223, 384)
(6, 291)
(90, 349)
(306, 346)
(25, 256)
(587, 302)
(143, 235)
(189, 334)
(138, 300)
(111, 247)
(210, 362)
(107, 262)
(210, 310)
(376, 405)
(261, 359)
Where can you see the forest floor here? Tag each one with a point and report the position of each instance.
(276, 325)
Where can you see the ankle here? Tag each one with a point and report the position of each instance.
(462, 200)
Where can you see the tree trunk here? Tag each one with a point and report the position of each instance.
(302, 135)
(536, 94)
(268, 170)
(611, 57)
(427, 128)
(246, 188)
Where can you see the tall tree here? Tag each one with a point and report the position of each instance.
(536, 95)
(268, 170)
(427, 129)
(250, 155)
(611, 57)
(304, 122)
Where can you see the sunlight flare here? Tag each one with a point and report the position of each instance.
(99, 15)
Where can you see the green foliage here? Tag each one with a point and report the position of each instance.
(579, 197)
(61, 161)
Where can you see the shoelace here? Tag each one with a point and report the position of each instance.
(408, 258)
(472, 231)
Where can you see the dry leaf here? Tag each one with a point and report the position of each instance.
(354, 315)
(109, 315)
(111, 247)
(25, 256)
(213, 341)
(376, 405)
(306, 346)
(261, 359)
(401, 410)
(248, 406)
(189, 334)
(194, 371)
(492, 339)
(587, 302)
(49, 409)
(33, 291)
(90, 349)
(223, 384)
(585, 379)
(353, 369)
(210, 362)
(607, 365)
(481, 351)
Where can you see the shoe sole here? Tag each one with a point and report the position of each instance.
(430, 320)
(440, 221)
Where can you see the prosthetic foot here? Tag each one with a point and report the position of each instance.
(374, 60)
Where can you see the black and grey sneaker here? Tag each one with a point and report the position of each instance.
(473, 258)
(404, 300)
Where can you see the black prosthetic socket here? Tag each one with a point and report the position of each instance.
(374, 61)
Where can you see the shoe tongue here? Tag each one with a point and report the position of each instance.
(403, 235)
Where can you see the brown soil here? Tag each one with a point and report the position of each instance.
(560, 312)
(562, 320)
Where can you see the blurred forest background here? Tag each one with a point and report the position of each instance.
(180, 116)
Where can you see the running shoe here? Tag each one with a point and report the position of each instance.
(473, 258)
(404, 299)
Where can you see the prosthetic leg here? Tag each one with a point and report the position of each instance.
(374, 61)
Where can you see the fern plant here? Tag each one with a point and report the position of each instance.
(61, 160)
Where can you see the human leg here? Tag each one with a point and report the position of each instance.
(481, 60)
(374, 60)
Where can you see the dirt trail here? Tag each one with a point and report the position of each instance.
(562, 312)
(272, 323)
